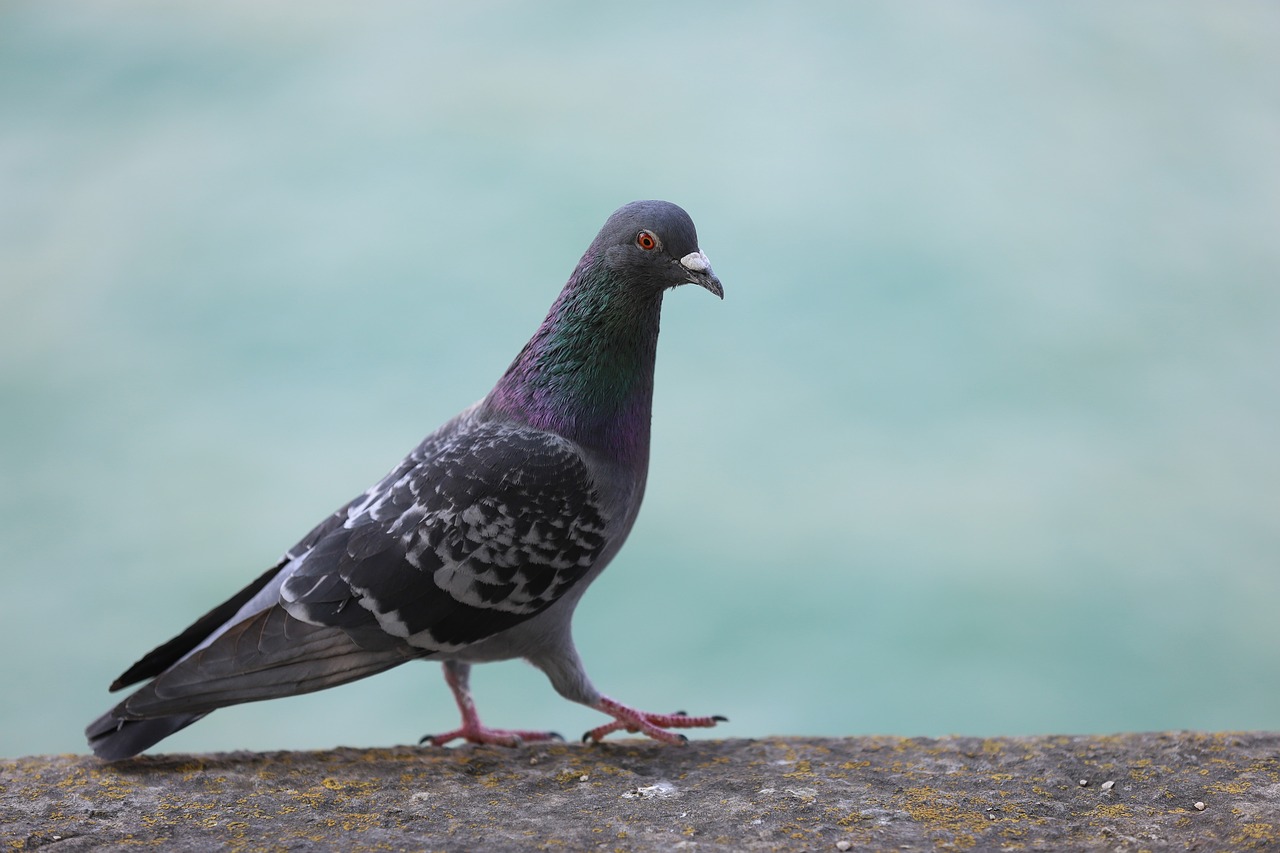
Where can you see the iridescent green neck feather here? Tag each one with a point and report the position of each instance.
(587, 373)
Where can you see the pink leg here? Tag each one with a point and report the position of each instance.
(653, 725)
(457, 676)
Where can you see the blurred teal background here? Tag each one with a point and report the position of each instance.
(984, 438)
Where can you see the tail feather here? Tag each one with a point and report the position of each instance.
(114, 739)
(162, 657)
(267, 656)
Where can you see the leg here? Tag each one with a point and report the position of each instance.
(569, 678)
(458, 676)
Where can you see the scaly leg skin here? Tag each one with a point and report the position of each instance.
(458, 676)
(653, 725)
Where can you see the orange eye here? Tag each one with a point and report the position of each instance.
(645, 240)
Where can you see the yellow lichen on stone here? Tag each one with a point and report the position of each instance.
(1109, 812)
(940, 815)
(991, 746)
(571, 774)
(802, 768)
(1250, 833)
(1237, 787)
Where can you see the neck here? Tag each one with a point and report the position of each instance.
(587, 373)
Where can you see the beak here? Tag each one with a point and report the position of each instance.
(699, 269)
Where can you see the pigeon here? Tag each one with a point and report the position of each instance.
(479, 544)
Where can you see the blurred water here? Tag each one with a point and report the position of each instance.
(983, 438)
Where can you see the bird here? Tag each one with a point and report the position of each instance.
(479, 544)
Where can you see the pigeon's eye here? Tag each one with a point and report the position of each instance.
(647, 241)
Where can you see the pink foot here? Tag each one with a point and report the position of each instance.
(483, 734)
(652, 725)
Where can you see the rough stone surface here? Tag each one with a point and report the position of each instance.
(868, 793)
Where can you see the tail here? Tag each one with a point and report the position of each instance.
(114, 739)
(267, 656)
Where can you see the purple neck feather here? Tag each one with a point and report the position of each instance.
(587, 373)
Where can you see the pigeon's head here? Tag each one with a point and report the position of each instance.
(654, 242)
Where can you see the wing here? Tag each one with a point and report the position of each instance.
(490, 525)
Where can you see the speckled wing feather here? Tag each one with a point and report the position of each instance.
(486, 525)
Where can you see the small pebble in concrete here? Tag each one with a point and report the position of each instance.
(843, 845)
(1109, 784)
(1084, 783)
(1199, 806)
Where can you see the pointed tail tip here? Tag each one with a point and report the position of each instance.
(113, 738)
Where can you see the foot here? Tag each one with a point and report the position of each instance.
(483, 734)
(644, 722)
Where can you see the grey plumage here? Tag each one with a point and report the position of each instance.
(478, 545)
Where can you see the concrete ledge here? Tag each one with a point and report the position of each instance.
(1170, 791)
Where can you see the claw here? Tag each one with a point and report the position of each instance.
(649, 724)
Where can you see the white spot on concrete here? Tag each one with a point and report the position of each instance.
(660, 791)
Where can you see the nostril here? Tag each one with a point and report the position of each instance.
(695, 262)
